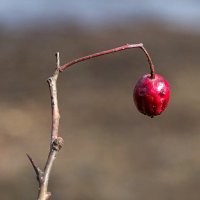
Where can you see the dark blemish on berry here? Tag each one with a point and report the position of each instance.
(162, 93)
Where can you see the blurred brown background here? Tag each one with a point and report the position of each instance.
(111, 151)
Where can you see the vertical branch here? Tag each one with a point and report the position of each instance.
(56, 141)
(52, 82)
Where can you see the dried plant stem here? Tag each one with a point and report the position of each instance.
(121, 48)
(56, 142)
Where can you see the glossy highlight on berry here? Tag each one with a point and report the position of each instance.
(151, 95)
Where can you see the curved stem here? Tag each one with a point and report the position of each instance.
(121, 48)
(152, 69)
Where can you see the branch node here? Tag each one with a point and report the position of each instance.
(48, 195)
(49, 81)
(57, 143)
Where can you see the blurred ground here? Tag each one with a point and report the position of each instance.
(111, 151)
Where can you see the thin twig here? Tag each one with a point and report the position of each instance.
(117, 49)
(52, 82)
(56, 141)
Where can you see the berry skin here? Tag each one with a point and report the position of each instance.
(151, 95)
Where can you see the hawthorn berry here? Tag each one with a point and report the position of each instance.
(151, 94)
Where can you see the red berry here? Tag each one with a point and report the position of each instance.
(151, 95)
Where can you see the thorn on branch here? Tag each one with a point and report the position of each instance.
(39, 173)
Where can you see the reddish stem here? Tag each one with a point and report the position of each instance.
(152, 69)
(124, 47)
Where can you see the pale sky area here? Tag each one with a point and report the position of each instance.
(185, 13)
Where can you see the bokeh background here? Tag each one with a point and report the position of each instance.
(111, 151)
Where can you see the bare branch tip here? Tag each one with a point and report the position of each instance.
(29, 157)
(57, 59)
(32, 162)
(57, 54)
